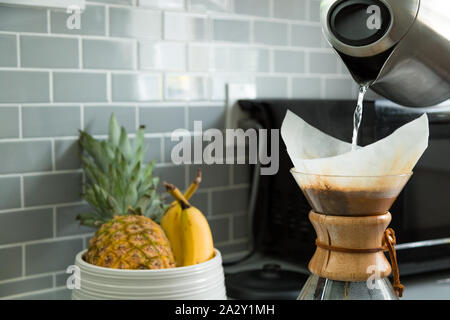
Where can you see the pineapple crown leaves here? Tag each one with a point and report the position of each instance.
(117, 181)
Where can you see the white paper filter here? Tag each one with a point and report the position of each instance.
(315, 152)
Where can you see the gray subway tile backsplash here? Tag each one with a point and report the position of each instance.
(52, 188)
(306, 36)
(139, 23)
(10, 194)
(23, 19)
(24, 86)
(162, 55)
(48, 52)
(12, 266)
(9, 122)
(79, 87)
(25, 156)
(51, 256)
(241, 59)
(136, 87)
(27, 225)
(96, 118)
(290, 9)
(272, 33)
(67, 223)
(252, 7)
(161, 63)
(289, 61)
(8, 48)
(25, 285)
(162, 119)
(50, 121)
(179, 26)
(108, 54)
(67, 154)
(231, 30)
(92, 22)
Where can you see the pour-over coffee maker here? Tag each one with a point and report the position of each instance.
(352, 236)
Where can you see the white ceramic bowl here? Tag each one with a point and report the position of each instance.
(200, 281)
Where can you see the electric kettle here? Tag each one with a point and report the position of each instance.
(400, 48)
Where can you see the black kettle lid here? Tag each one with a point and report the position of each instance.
(268, 283)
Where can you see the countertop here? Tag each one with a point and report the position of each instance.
(427, 286)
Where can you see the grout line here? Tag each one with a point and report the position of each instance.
(23, 261)
(54, 222)
(107, 31)
(308, 10)
(19, 60)
(82, 117)
(53, 156)
(22, 193)
(80, 53)
(109, 86)
(20, 122)
(50, 86)
(48, 21)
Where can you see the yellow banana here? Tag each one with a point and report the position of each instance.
(197, 241)
(193, 233)
(171, 220)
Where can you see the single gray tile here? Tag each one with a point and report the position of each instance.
(186, 87)
(23, 19)
(92, 21)
(240, 227)
(242, 173)
(210, 5)
(50, 121)
(10, 193)
(221, 203)
(306, 36)
(179, 26)
(211, 117)
(252, 7)
(213, 175)
(8, 48)
(199, 57)
(108, 54)
(51, 256)
(231, 30)
(153, 153)
(162, 56)
(241, 59)
(12, 266)
(25, 156)
(163, 4)
(321, 62)
(271, 87)
(289, 61)
(59, 188)
(48, 52)
(233, 248)
(219, 82)
(138, 23)
(220, 228)
(290, 9)
(200, 201)
(173, 174)
(67, 154)
(273, 33)
(162, 119)
(314, 10)
(26, 285)
(136, 87)
(308, 88)
(96, 119)
(67, 223)
(24, 86)
(77, 86)
(9, 122)
(339, 88)
(28, 225)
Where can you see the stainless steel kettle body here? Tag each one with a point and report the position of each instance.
(400, 47)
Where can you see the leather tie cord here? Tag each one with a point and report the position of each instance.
(388, 245)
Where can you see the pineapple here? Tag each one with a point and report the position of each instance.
(122, 192)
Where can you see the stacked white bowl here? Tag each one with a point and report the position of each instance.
(196, 282)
